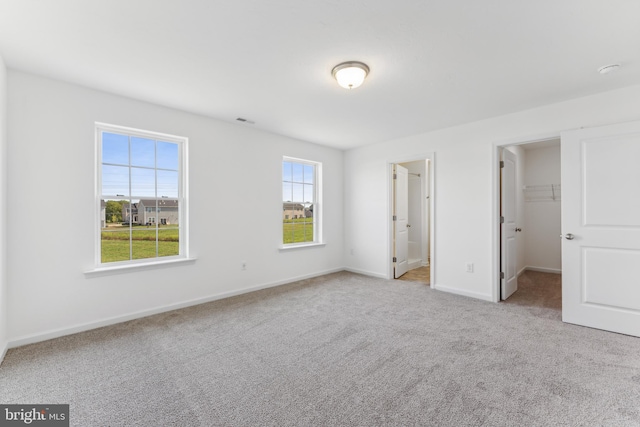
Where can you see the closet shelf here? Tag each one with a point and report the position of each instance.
(542, 193)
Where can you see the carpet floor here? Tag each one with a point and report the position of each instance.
(336, 350)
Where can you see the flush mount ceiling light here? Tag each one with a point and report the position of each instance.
(350, 74)
(608, 68)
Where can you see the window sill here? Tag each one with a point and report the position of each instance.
(117, 269)
(300, 246)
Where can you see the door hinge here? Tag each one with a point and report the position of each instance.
(395, 259)
(501, 220)
(501, 163)
(395, 176)
(501, 275)
(395, 218)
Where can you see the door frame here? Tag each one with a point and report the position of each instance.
(495, 192)
(389, 166)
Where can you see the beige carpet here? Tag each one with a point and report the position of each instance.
(338, 350)
(540, 294)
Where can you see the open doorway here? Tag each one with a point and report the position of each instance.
(530, 248)
(411, 224)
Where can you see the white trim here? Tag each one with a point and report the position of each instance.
(300, 246)
(140, 132)
(366, 273)
(56, 333)
(543, 269)
(495, 195)
(476, 295)
(3, 353)
(133, 266)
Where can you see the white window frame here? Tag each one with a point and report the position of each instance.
(318, 239)
(183, 244)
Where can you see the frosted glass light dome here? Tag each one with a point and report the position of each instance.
(351, 74)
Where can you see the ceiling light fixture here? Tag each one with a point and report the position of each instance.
(350, 74)
(608, 68)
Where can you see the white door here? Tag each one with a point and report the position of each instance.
(400, 222)
(509, 275)
(601, 227)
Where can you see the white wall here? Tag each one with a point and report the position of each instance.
(542, 218)
(465, 187)
(235, 210)
(4, 331)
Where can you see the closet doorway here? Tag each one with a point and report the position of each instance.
(411, 220)
(535, 256)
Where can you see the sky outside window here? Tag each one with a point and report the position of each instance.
(297, 182)
(142, 164)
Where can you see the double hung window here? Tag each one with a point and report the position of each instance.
(141, 195)
(301, 213)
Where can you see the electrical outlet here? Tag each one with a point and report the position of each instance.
(244, 265)
(469, 267)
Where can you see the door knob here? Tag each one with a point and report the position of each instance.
(568, 236)
(408, 225)
(518, 229)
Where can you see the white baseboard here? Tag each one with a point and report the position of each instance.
(476, 295)
(543, 269)
(56, 333)
(365, 272)
(3, 351)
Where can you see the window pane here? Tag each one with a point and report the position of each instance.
(168, 213)
(167, 184)
(287, 192)
(115, 180)
(298, 231)
(286, 171)
(308, 211)
(297, 172)
(147, 212)
(308, 193)
(167, 157)
(287, 231)
(130, 214)
(143, 182)
(143, 242)
(111, 212)
(168, 240)
(115, 148)
(308, 174)
(143, 152)
(114, 244)
(298, 193)
(308, 232)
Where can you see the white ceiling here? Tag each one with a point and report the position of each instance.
(434, 63)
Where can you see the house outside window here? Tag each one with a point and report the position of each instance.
(141, 177)
(301, 206)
